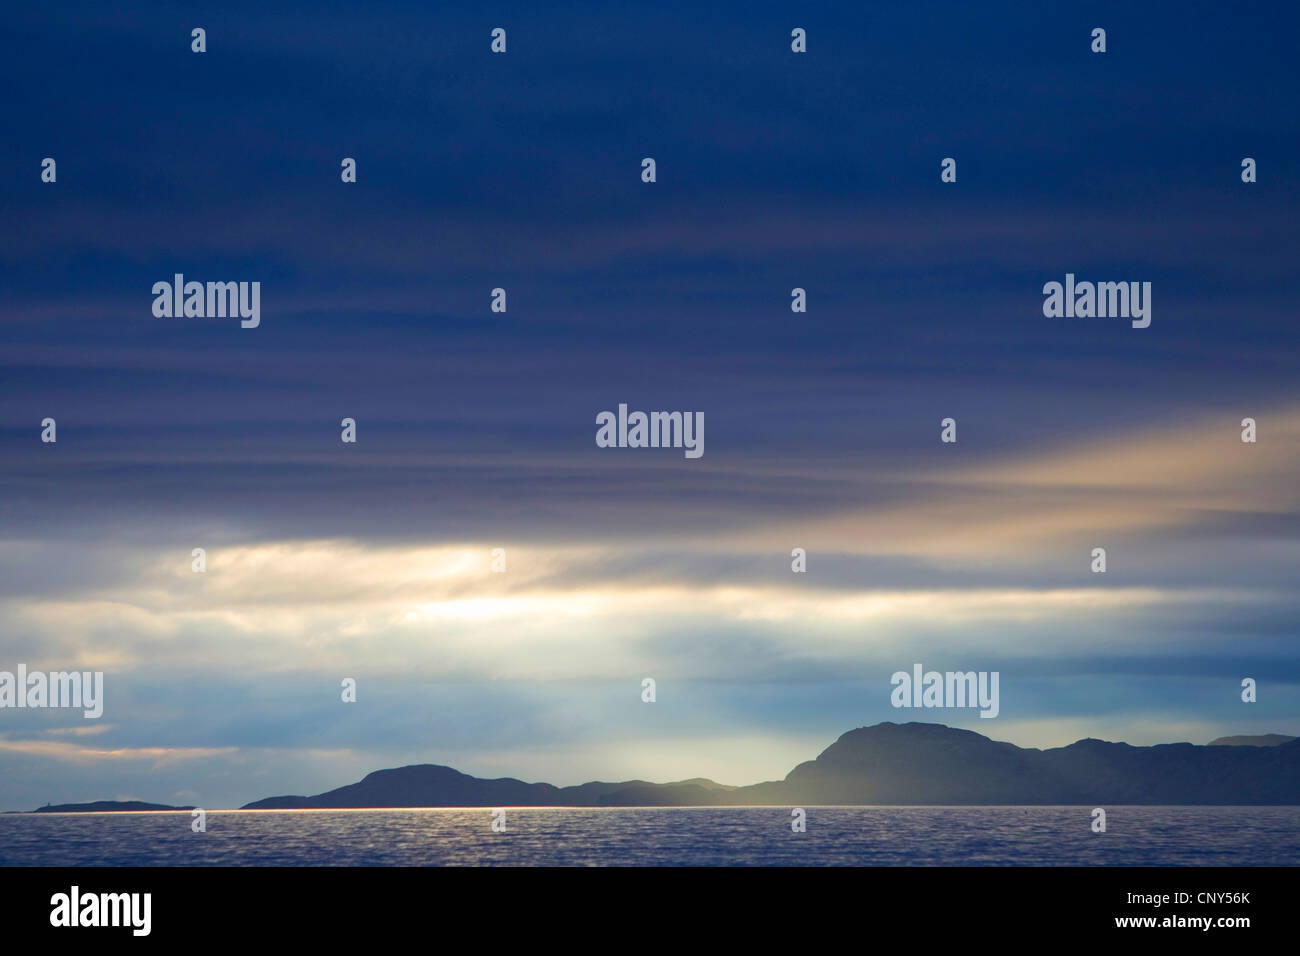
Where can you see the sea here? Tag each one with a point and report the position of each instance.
(651, 836)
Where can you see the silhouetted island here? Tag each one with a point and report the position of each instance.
(1262, 740)
(894, 764)
(106, 806)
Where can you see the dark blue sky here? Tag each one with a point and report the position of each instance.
(775, 170)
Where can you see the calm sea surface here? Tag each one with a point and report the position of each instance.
(733, 836)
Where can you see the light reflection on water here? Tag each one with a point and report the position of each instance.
(731, 836)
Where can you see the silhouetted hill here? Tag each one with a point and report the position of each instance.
(909, 764)
(1262, 740)
(106, 806)
(415, 786)
(933, 764)
(429, 785)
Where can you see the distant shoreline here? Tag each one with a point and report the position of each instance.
(895, 765)
(109, 806)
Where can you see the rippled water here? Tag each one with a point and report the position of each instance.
(857, 836)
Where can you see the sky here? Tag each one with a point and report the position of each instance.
(476, 429)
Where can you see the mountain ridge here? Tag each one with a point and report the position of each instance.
(1245, 740)
(885, 764)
